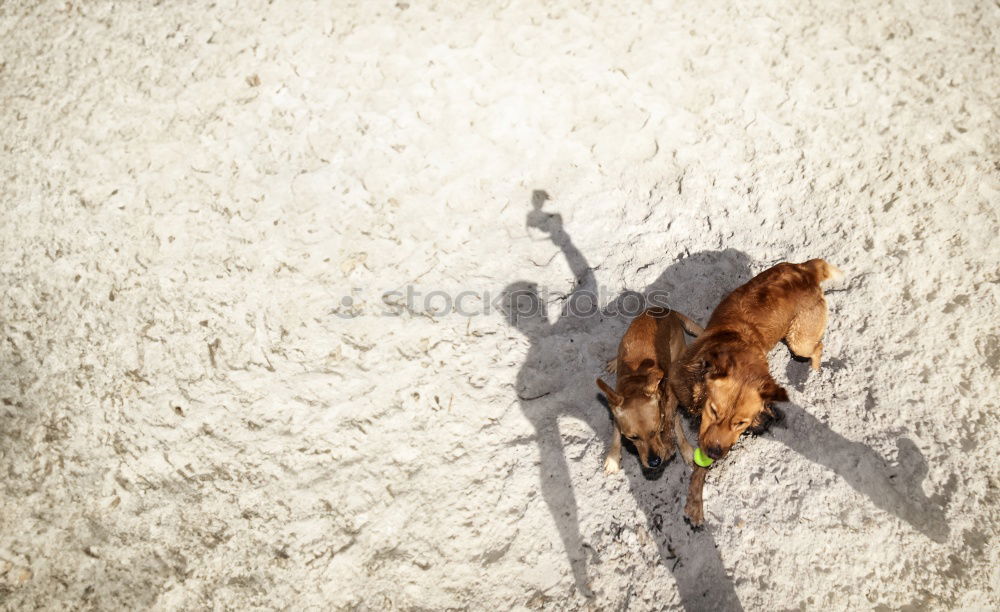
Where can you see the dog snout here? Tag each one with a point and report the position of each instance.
(654, 460)
(714, 451)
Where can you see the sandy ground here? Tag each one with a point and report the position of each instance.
(208, 403)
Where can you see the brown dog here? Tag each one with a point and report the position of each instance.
(723, 376)
(645, 409)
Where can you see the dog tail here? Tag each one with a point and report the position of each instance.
(824, 270)
(689, 325)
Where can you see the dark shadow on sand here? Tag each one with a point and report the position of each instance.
(894, 490)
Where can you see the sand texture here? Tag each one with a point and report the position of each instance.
(207, 401)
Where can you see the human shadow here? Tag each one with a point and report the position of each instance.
(557, 379)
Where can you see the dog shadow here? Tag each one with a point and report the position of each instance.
(895, 490)
(557, 379)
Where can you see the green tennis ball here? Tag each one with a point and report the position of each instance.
(702, 459)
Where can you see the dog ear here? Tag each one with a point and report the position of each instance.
(653, 378)
(779, 395)
(773, 393)
(717, 364)
(613, 398)
(767, 417)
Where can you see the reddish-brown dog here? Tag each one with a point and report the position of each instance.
(723, 376)
(643, 407)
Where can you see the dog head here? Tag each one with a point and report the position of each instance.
(637, 413)
(739, 395)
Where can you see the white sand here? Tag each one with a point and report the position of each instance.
(190, 418)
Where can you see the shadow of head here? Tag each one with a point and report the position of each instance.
(523, 308)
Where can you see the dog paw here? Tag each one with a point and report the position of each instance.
(694, 514)
(696, 528)
(687, 454)
(612, 465)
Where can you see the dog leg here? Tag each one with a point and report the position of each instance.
(687, 452)
(816, 355)
(613, 461)
(694, 511)
(806, 332)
